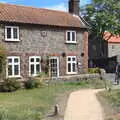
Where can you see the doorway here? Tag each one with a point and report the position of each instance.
(54, 67)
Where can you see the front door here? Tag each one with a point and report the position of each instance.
(54, 67)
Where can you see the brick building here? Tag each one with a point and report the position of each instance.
(31, 35)
(106, 53)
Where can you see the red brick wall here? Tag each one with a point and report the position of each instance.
(85, 59)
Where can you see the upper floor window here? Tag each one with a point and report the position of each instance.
(71, 36)
(13, 66)
(34, 65)
(113, 47)
(11, 33)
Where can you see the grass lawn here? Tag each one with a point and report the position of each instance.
(36, 103)
(111, 102)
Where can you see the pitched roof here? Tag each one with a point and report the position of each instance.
(30, 15)
(112, 39)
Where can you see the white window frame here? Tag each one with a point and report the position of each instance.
(71, 62)
(35, 63)
(11, 39)
(71, 31)
(58, 67)
(13, 65)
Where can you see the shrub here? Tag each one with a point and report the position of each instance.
(93, 70)
(39, 80)
(35, 82)
(30, 83)
(10, 85)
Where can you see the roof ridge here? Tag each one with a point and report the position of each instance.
(36, 8)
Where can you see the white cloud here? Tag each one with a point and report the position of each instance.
(61, 7)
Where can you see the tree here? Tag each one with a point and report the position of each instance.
(102, 15)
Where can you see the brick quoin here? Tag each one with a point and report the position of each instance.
(85, 49)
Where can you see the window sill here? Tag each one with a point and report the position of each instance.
(72, 73)
(12, 40)
(33, 75)
(13, 76)
(71, 42)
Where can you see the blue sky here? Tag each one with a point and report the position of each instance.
(50, 4)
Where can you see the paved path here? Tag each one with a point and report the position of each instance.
(83, 105)
(110, 76)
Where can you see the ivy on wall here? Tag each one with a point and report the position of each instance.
(2, 62)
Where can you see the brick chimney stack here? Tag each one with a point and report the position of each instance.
(74, 7)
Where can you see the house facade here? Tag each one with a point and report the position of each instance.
(34, 35)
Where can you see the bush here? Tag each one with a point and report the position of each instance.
(93, 70)
(39, 80)
(35, 82)
(30, 83)
(10, 85)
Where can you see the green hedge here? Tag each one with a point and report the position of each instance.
(10, 85)
(93, 70)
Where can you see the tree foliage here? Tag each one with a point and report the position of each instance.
(102, 15)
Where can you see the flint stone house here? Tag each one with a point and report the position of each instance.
(30, 34)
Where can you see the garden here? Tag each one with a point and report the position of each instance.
(37, 103)
(38, 98)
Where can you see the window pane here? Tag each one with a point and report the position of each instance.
(68, 36)
(32, 69)
(38, 69)
(73, 59)
(9, 60)
(69, 59)
(73, 67)
(69, 67)
(16, 60)
(16, 69)
(37, 59)
(15, 33)
(32, 60)
(8, 33)
(9, 70)
(73, 36)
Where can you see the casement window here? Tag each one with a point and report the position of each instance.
(11, 33)
(34, 65)
(70, 36)
(71, 65)
(113, 47)
(13, 66)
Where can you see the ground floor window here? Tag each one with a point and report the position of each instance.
(71, 65)
(34, 65)
(13, 66)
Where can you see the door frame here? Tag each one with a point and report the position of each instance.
(54, 57)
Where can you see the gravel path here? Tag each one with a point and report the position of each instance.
(83, 105)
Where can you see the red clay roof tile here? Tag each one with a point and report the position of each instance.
(22, 14)
(112, 39)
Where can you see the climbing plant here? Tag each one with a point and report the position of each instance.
(2, 62)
